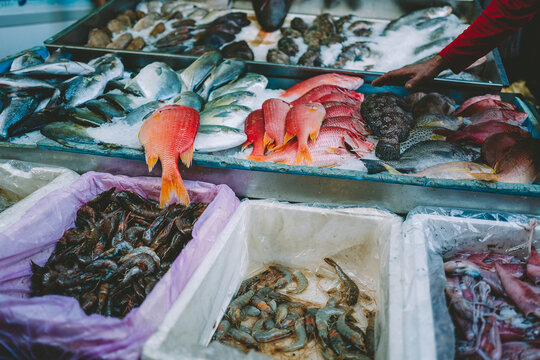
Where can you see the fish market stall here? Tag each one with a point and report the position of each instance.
(363, 43)
(82, 277)
(295, 239)
(485, 265)
(23, 184)
(101, 134)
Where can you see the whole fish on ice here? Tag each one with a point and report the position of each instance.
(275, 125)
(304, 121)
(168, 133)
(344, 81)
(254, 130)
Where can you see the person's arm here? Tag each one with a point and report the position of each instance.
(498, 21)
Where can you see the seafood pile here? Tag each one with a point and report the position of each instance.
(322, 113)
(261, 314)
(120, 247)
(350, 42)
(176, 27)
(100, 104)
(483, 139)
(494, 303)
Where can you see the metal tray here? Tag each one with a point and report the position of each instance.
(75, 36)
(398, 193)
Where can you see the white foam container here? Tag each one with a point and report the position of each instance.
(30, 182)
(366, 242)
(433, 234)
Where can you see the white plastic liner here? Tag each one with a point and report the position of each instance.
(28, 182)
(432, 235)
(261, 232)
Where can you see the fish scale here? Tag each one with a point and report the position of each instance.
(420, 134)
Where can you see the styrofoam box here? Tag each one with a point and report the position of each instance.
(431, 234)
(366, 242)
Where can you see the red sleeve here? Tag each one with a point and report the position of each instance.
(498, 21)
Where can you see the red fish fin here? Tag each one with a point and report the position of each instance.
(171, 181)
(288, 137)
(187, 156)
(313, 135)
(258, 148)
(256, 157)
(267, 140)
(151, 161)
(245, 145)
(303, 153)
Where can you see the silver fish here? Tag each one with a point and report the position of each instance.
(212, 138)
(17, 109)
(440, 120)
(157, 81)
(434, 45)
(15, 82)
(235, 98)
(418, 135)
(141, 113)
(199, 70)
(81, 89)
(104, 108)
(109, 65)
(418, 16)
(57, 68)
(189, 98)
(229, 115)
(424, 155)
(25, 60)
(86, 117)
(227, 71)
(70, 135)
(249, 82)
(121, 101)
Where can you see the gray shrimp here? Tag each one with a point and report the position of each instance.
(321, 320)
(222, 329)
(301, 282)
(243, 337)
(283, 281)
(281, 313)
(354, 337)
(271, 335)
(311, 328)
(251, 311)
(235, 308)
(301, 337)
(141, 250)
(351, 289)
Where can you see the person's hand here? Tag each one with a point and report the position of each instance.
(413, 74)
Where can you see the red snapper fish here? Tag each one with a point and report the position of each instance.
(304, 121)
(275, 114)
(346, 122)
(495, 147)
(497, 114)
(316, 94)
(473, 100)
(343, 110)
(480, 132)
(254, 129)
(349, 99)
(168, 133)
(329, 150)
(485, 104)
(344, 81)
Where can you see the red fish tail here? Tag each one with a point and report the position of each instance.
(246, 144)
(303, 153)
(258, 148)
(359, 144)
(171, 182)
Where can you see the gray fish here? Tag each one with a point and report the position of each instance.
(189, 98)
(15, 82)
(424, 155)
(229, 115)
(157, 81)
(86, 117)
(141, 113)
(418, 135)
(26, 60)
(3, 100)
(227, 71)
(418, 16)
(432, 23)
(109, 66)
(121, 101)
(17, 109)
(436, 45)
(104, 108)
(121, 85)
(449, 122)
(212, 138)
(70, 135)
(195, 73)
(56, 68)
(234, 98)
(249, 82)
(81, 89)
